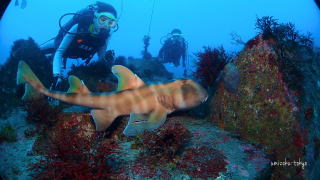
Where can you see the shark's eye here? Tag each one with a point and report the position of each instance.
(138, 121)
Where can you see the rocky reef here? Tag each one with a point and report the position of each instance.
(275, 107)
(28, 51)
(150, 70)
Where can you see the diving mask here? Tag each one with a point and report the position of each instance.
(105, 20)
(177, 36)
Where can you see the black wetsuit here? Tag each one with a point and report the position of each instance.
(85, 44)
(172, 51)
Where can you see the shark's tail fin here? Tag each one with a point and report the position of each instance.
(26, 76)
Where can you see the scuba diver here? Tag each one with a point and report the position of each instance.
(174, 48)
(84, 35)
(23, 4)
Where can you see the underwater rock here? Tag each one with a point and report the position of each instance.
(210, 153)
(149, 70)
(28, 51)
(231, 78)
(80, 121)
(96, 75)
(120, 60)
(264, 111)
(204, 162)
(106, 86)
(41, 112)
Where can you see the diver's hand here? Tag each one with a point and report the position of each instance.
(109, 55)
(57, 81)
(56, 86)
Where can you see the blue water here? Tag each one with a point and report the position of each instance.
(203, 23)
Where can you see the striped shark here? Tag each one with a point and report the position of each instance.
(147, 106)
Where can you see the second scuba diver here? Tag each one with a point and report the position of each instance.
(174, 48)
(84, 35)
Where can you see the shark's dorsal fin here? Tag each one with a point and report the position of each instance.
(77, 86)
(126, 78)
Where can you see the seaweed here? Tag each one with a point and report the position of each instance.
(39, 111)
(165, 143)
(159, 148)
(203, 162)
(294, 50)
(211, 63)
(7, 133)
(72, 156)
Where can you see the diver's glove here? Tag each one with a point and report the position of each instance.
(56, 86)
(109, 56)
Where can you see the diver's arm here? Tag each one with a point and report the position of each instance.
(184, 54)
(57, 60)
(184, 58)
(65, 28)
(163, 49)
(102, 51)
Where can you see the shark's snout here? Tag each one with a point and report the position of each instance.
(193, 93)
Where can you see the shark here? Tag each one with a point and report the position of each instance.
(147, 105)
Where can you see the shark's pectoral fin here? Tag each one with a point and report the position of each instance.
(138, 123)
(138, 118)
(158, 116)
(102, 119)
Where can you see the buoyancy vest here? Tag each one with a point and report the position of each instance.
(85, 44)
